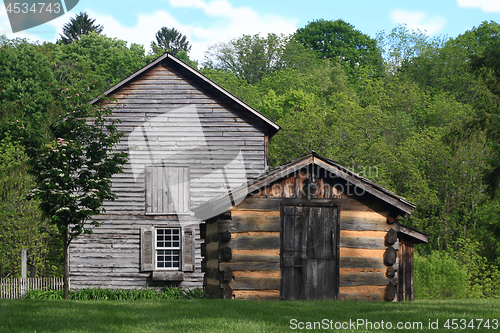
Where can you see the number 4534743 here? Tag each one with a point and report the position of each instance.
(40, 7)
(456, 324)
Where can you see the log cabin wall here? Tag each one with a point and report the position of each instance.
(165, 96)
(249, 256)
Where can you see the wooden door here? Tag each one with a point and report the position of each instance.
(309, 252)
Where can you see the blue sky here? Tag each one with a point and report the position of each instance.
(207, 22)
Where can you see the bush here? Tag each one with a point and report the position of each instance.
(439, 276)
(118, 294)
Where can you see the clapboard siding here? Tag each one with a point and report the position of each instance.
(110, 257)
(171, 118)
(160, 92)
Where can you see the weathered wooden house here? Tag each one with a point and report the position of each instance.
(189, 140)
(310, 229)
(198, 175)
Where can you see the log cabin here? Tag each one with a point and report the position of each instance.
(310, 229)
(188, 141)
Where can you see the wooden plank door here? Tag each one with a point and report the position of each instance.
(309, 252)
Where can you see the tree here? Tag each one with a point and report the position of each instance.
(254, 57)
(21, 223)
(72, 173)
(339, 41)
(170, 40)
(402, 45)
(97, 58)
(80, 25)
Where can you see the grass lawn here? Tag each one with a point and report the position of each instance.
(243, 316)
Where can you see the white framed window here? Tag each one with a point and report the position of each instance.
(168, 248)
(167, 189)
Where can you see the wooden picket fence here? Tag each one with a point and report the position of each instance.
(11, 288)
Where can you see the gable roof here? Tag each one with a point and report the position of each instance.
(303, 161)
(272, 127)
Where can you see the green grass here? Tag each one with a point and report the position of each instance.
(205, 315)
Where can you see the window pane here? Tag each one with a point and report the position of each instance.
(168, 248)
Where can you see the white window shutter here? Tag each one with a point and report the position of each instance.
(147, 249)
(188, 249)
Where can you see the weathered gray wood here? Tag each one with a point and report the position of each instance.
(361, 279)
(226, 254)
(390, 292)
(228, 274)
(360, 223)
(362, 242)
(168, 276)
(188, 249)
(309, 252)
(225, 236)
(227, 292)
(390, 272)
(254, 283)
(147, 249)
(273, 204)
(245, 242)
(252, 262)
(361, 262)
(390, 256)
(391, 237)
(361, 296)
(244, 223)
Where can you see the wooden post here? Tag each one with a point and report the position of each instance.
(24, 271)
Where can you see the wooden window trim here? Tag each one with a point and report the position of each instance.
(187, 252)
(171, 248)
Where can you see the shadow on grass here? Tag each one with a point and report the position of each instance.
(226, 316)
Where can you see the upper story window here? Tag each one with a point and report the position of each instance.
(167, 189)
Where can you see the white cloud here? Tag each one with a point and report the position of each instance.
(5, 29)
(234, 23)
(418, 20)
(226, 22)
(488, 6)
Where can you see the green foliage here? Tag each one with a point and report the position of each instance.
(97, 62)
(72, 173)
(170, 40)
(79, 25)
(402, 46)
(100, 294)
(341, 42)
(484, 278)
(252, 58)
(21, 222)
(439, 276)
(25, 79)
